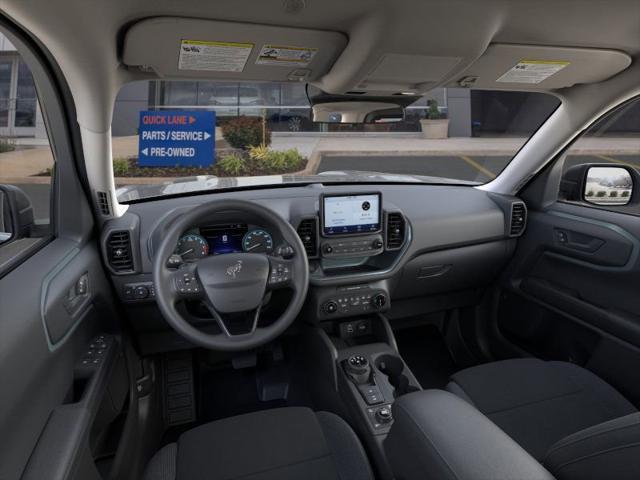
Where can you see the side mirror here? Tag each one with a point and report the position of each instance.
(608, 186)
(16, 213)
(598, 184)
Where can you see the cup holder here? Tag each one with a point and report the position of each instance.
(393, 367)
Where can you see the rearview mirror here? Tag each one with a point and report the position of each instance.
(357, 112)
(330, 108)
(608, 186)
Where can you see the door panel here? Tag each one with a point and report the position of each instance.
(62, 384)
(40, 371)
(571, 291)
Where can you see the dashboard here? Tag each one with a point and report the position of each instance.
(392, 248)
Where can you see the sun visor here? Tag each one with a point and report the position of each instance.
(177, 48)
(526, 67)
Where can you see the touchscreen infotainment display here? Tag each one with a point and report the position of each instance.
(350, 214)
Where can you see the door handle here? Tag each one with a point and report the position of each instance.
(578, 241)
(78, 295)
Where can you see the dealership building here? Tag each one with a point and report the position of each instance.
(470, 112)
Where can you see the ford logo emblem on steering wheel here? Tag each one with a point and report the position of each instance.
(234, 270)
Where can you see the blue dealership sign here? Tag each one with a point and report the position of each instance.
(176, 138)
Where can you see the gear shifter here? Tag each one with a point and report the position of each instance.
(358, 368)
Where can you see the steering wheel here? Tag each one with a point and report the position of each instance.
(232, 283)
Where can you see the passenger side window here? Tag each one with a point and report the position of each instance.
(613, 143)
(26, 160)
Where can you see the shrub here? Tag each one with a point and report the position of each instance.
(433, 112)
(259, 153)
(601, 193)
(613, 193)
(120, 166)
(244, 132)
(232, 164)
(6, 145)
(625, 193)
(589, 193)
(280, 161)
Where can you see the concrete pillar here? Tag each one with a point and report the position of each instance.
(459, 107)
(131, 99)
(40, 131)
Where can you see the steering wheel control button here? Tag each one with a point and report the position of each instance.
(280, 274)
(187, 284)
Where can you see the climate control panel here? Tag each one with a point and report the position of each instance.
(354, 300)
(360, 246)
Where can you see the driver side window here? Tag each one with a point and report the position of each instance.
(26, 160)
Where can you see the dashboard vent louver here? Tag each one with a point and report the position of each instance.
(119, 252)
(308, 233)
(103, 203)
(518, 219)
(395, 231)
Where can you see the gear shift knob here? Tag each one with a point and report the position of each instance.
(358, 368)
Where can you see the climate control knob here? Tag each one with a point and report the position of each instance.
(330, 307)
(379, 300)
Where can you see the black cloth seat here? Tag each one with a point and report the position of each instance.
(285, 443)
(538, 403)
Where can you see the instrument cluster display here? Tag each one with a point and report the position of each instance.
(221, 239)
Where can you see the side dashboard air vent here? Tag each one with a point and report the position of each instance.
(396, 227)
(103, 203)
(518, 219)
(308, 233)
(119, 254)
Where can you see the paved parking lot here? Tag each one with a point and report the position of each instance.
(479, 168)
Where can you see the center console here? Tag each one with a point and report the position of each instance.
(354, 246)
(359, 356)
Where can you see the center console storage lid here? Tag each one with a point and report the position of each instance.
(438, 435)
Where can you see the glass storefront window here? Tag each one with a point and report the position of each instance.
(25, 97)
(5, 90)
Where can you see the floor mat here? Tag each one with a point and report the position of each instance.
(225, 392)
(426, 353)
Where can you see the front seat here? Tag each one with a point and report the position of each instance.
(284, 443)
(538, 403)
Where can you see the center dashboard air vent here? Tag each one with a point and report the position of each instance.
(395, 230)
(119, 254)
(308, 233)
(518, 219)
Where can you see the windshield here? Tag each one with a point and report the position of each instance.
(175, 137)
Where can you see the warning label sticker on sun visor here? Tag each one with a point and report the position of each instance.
(532, 71)
(285, 55)
(213, 56)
